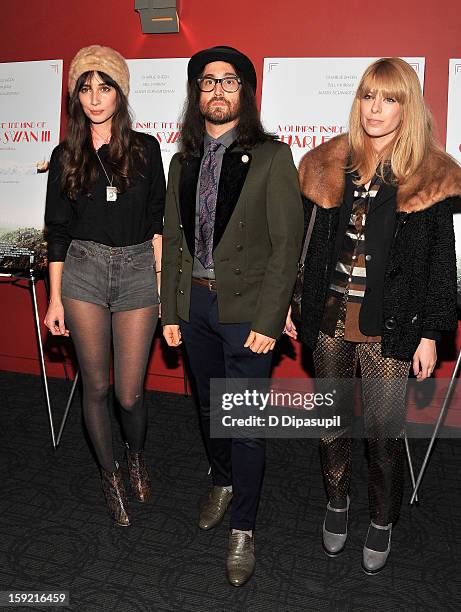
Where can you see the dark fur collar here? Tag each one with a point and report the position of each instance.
(322, 178)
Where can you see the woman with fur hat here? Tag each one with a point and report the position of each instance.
(104, 218)
(379, 282)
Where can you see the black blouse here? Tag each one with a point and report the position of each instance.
(134, 217)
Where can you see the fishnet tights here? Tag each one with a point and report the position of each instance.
(383, 389)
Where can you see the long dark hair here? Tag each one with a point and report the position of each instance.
(80, 166)
(250, 132)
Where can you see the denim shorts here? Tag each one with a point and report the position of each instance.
(119, 278)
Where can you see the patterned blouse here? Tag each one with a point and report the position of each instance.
(348, 284)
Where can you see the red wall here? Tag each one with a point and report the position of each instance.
(54, 29)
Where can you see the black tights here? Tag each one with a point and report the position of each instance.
(132, 331)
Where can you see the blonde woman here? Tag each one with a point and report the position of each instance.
(380, 282)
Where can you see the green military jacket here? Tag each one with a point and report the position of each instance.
(257, 237)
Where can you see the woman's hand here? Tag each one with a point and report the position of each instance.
(290, 327)
(54, 319)
(157, 248)
(424, 359)
(42, 166)
(172, 335)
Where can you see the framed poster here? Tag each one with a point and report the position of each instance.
(30, 115)
(306, 101)
(454, 147)
(158, 90)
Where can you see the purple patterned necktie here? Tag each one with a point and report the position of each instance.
(207, 198)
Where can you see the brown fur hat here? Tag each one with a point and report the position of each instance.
(102, 59)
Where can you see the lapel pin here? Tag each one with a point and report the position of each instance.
(245, 159)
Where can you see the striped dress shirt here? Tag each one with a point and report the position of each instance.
(349, 280)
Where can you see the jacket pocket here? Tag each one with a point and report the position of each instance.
(254, 275)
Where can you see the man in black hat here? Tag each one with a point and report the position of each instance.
(231, 242)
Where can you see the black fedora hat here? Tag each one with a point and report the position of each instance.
(222, 54)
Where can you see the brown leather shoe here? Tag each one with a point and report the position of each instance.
(114, 492)
(214, 509)
(139, 476)
(240, 558)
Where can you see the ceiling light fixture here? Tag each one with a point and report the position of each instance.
(158, 16)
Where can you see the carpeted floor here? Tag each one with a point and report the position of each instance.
(55, 533)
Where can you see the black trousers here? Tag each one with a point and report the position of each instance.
(215, 350)
(384, 409)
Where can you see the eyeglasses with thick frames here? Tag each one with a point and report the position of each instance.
(229, 84)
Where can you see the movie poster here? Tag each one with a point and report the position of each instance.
(158, 90)
(454, 146)
(306, 101)
(30, 109)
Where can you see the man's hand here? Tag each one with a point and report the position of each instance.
(259, 343)
(172, 335)
(424, 359)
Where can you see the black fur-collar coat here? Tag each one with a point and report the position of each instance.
(411, 268)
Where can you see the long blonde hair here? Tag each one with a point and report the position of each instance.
(394, 78)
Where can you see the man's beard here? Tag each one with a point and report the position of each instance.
(219, 115)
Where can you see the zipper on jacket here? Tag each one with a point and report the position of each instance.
(328, 240)
(400, 223)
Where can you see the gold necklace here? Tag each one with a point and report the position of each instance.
(105, 140)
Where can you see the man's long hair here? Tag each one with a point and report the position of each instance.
(249, 130)
(80, 166)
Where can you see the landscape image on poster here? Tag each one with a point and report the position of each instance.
(17, 245)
